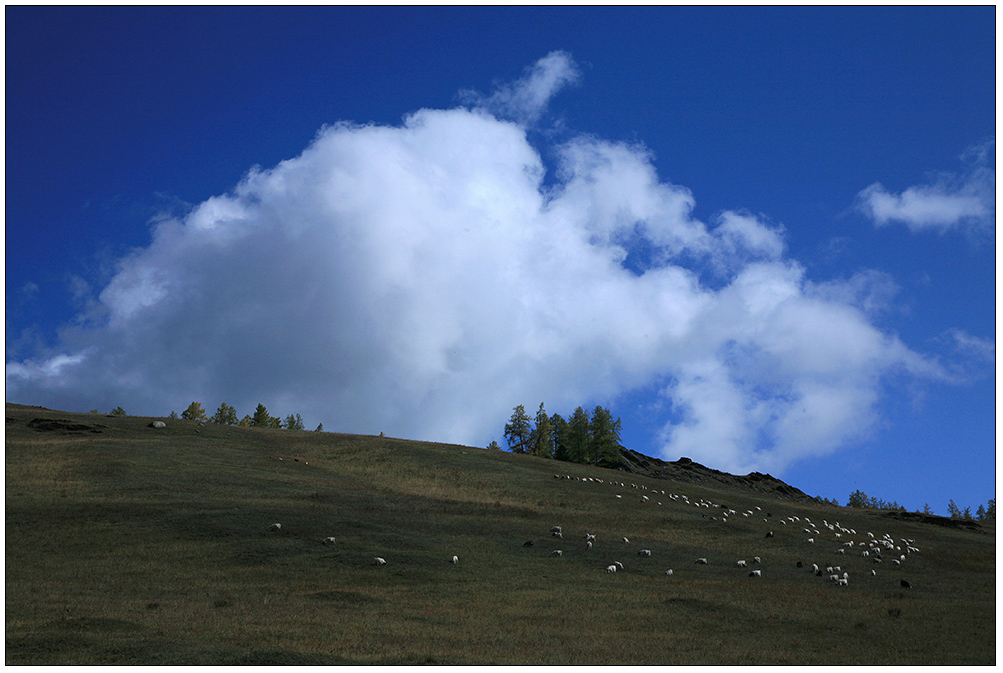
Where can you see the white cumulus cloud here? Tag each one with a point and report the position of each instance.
(421, 280)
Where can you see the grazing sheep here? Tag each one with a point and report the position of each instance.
(588, 545)
(842, 582)
(873, 572)
(618, 564)
(814, 567)
(756, 573)
(589, 537)
(905, 584)
(644, 552)
(555, 529)
(558, 534)
(328, 540)
(811, 540)
(702, 561)
(275, 527)
(611, 568)
(740, 564)
(669, 571)
(800, 564)
(626, 541)
(455, 560)
(527, 543)
(755, 559)
(769, 534)
(556, 552)
(379, 561)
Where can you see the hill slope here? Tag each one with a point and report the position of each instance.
(133, 545)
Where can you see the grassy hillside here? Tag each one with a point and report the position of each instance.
(133, 545)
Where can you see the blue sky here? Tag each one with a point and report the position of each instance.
(763, 237)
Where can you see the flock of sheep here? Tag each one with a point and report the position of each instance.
(872, 548)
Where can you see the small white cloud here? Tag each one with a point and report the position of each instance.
(949, 201)
(526, 99)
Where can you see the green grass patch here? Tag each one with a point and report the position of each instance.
(140, 546)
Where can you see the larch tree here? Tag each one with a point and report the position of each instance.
(517, 430)
(225, 415)
(542, 443)
(578, 436)
(194, 412)
(604, 437)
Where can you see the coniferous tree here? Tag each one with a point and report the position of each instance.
(952, 510)
(194, 412)
(559, 437)
(858, 499)
(174, 414)
(980, 513)
(604, 437)
(225, 415)
(320, 428)
(927, 509)
(261, 418)
(294, 422)
(542, 443)
(246, 421)
(118, 411)
(578, 436)
(494, 446)
(991, 510)
(517, 430)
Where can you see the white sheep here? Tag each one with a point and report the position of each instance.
(669, 571)
(588, 545)
(702, 561)
(756, 573)
(611, 568)
(328, 540)
(379, 561)
(644, 552)
(275, 527)
(557, 552)
(755, 559)
(626, 541)
(455, 560)
(618, 564)
(842, 582)
(555, 529)
(740, 564)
